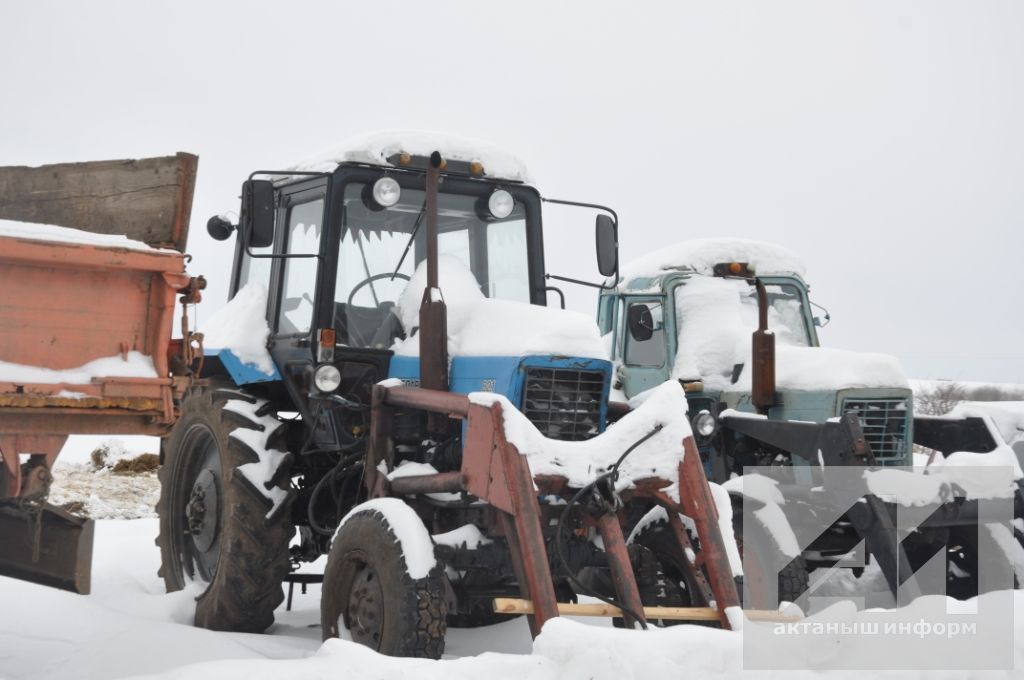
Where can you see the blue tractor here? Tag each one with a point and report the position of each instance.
(393, 280)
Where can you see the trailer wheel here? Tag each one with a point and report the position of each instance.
(368, 591)
(218, 527)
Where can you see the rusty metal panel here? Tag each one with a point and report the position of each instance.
(148, 199)
(482, 464)
(81, 421)
(73, 308)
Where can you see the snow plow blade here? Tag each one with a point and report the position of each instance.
(51, 548)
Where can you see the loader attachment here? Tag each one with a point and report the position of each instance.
(46, 545)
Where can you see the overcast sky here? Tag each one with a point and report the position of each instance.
(882, 141)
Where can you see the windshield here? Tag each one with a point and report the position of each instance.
(381, 248)
(716, 317)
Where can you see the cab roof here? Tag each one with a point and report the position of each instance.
(386, 149)
(699, 256)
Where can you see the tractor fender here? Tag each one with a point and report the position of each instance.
(413, 537)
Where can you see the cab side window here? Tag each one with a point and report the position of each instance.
(645, 334)
(305, 222)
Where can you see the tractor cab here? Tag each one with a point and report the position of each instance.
(663, 328)
(338, 243)
(692, 312)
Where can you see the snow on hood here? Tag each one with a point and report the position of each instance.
(53, 233)
(581, 462)
(701, 255)
(820, 368)
(375, 148)
(479, 326)
(241, 327)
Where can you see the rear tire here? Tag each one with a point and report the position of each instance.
(368, 590)
(217, 527)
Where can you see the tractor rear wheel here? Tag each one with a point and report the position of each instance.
(224, 509)
(368, 591)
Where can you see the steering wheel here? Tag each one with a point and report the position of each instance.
(356, 334)
(371, 279)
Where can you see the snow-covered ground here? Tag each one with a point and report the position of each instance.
(130, 627)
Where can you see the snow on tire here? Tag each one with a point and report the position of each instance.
(382, 583)
(224, 509)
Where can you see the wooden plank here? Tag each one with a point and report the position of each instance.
(148, 199)
(512, 605)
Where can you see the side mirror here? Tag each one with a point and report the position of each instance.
(607, 246)
(640, 322)
(257, 219)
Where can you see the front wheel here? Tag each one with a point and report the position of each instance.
(369, 591)
(224, 509)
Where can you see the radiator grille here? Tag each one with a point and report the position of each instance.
(564, 403)
(885, 425)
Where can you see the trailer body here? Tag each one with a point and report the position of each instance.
(85, 334)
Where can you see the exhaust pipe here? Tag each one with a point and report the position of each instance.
(433, 312)
(763, 377)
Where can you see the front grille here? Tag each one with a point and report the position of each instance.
(885, 425)
(564, 403)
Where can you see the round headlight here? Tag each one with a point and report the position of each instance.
(386, 192)
(500, 204)
(327, 378)
(704, 424)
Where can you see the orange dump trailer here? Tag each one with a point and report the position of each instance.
(86, 321)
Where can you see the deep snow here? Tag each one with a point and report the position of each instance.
(130, 627)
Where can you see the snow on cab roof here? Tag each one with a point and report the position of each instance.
(701, 255)
(377, 147)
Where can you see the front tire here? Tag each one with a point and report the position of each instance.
(368, 590)
(224, 509)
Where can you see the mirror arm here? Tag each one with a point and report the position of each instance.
(615, 221)
(576, 281)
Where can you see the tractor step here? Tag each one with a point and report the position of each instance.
(512, 605)
(50, 547)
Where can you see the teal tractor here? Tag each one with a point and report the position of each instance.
(732, 321)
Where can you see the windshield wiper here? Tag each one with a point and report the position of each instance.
(412, 237)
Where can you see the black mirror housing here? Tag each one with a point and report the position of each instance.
(607, 246)
(257, 219)
(219, 228)
(640, 322)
